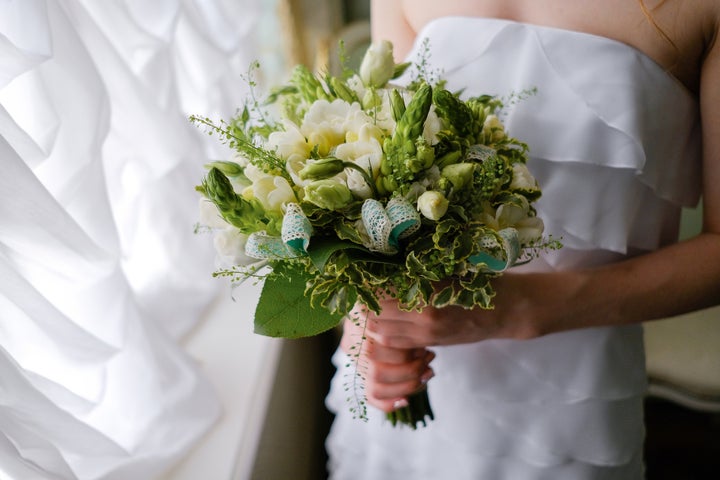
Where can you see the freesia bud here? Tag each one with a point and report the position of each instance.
(323, 168)
(378, 65)
(328, 194)
(230, 169)
(433, 205)
(459, 174)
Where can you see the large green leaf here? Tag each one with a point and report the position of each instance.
(284, 311)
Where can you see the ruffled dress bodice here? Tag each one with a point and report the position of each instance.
(614, 143)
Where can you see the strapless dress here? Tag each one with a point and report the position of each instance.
(615, 145)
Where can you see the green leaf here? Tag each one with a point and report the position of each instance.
(284, 311)
(320, 250)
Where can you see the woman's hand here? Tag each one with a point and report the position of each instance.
(511, 317)
(390, 374)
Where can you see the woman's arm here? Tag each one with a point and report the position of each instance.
(389, 23)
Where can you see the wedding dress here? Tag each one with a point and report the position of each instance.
(614, 143)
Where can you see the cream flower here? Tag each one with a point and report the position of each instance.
(433, 204)
(324, 124)
(229, 244)
(210, 215)
(289, 143)
(364, 153)
(523, 179)
(378, 65)
(517, 216)
(273, 193)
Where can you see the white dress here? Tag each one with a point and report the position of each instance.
(614, 143)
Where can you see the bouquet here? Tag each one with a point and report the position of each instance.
(347, 189)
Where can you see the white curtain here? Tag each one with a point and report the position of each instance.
(100, 271)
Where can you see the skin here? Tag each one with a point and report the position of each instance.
(670, 281)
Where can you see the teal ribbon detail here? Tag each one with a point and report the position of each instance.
(296, 228)
(508, 247)
(293, 241)
(386, 226)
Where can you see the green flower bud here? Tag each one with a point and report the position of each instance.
(342, 91)
(371, 99)
(433, 205)
(378, 65)
(328, 194)
(425, 154)
(323, 168)
(459, 174)
(231, 169)
(449, 158)
(398, 105)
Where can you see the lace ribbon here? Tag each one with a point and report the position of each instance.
(385, 227)
(292, 242)
(505, 243)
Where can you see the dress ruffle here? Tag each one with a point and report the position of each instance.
(630, 152)
(614, 144)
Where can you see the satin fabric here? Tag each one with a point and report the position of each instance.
(100, 271)
(614, 142)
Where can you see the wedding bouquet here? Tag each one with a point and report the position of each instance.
(353, 189)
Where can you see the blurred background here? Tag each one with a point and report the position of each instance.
(120, 356)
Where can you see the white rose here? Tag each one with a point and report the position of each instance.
(357, 184)
(378, 65)
(433, 204)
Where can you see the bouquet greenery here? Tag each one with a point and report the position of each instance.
(353, 189)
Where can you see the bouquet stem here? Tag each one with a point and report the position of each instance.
(415, 412)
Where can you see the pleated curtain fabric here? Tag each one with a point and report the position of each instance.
(100, 270)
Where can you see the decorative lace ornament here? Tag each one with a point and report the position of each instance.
(296, 228)
(404, 219)
(378, 226)
(480, 153)
(263, 246)
(501, 250)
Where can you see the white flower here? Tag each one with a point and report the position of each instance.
(365, 153)
(517, 216)
(210, 215)
(254, 174)
(230, 246)
(289, 143)
(357, 184)
(522, 178)
(433, 204)
(273, 192)
(324, 124)
(378, 65)
(493, 128)
(432, 127)
(293, 165)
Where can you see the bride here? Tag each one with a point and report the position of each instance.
(623, 131)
